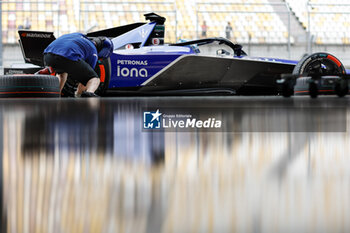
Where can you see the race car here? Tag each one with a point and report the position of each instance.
(142, 64)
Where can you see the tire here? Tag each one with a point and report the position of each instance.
(305, 68)
(29, 86)
(341, 87)
(103, 70)
(287, 88)
(313, 67)
(313, 89)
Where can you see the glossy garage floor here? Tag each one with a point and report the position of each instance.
(88, 165)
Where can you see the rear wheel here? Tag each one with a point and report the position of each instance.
(29, 86)
(103, 70)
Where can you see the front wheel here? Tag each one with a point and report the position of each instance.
(288, 88)
(313, 89)
(321, 64)
(320, 70)
(341, 87)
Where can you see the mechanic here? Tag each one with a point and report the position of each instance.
(76, 55)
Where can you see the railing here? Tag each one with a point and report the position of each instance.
(249, 9)
(130, 15)
(314, 9)
(31, 14)
(69, 16)
(36, 14)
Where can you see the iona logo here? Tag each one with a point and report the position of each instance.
(133, 72)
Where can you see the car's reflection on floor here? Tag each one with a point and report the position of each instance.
(89, 166)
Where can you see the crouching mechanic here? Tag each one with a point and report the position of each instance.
(76, 55)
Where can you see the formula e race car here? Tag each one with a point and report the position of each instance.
(142, 64)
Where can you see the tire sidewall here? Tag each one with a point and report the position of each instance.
(106, 63)
(29, 85)
(303, 63)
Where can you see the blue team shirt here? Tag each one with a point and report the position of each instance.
(74, 46)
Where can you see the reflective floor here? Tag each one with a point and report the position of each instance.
(90, 165)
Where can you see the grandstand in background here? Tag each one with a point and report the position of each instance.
(285, 23)
(254, 21)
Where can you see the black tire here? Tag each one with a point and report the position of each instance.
(312, 68)
(313, 89)
(29, 86)
(341, 87)
(103, 70)
(311, 65)
(288, 88)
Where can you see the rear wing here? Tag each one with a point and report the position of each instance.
(33, 44)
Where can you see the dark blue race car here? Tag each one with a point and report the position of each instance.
(143, 65)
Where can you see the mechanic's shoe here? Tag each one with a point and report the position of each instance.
(76, 95)
(88, 94)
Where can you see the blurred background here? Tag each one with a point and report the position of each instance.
(282, 28)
